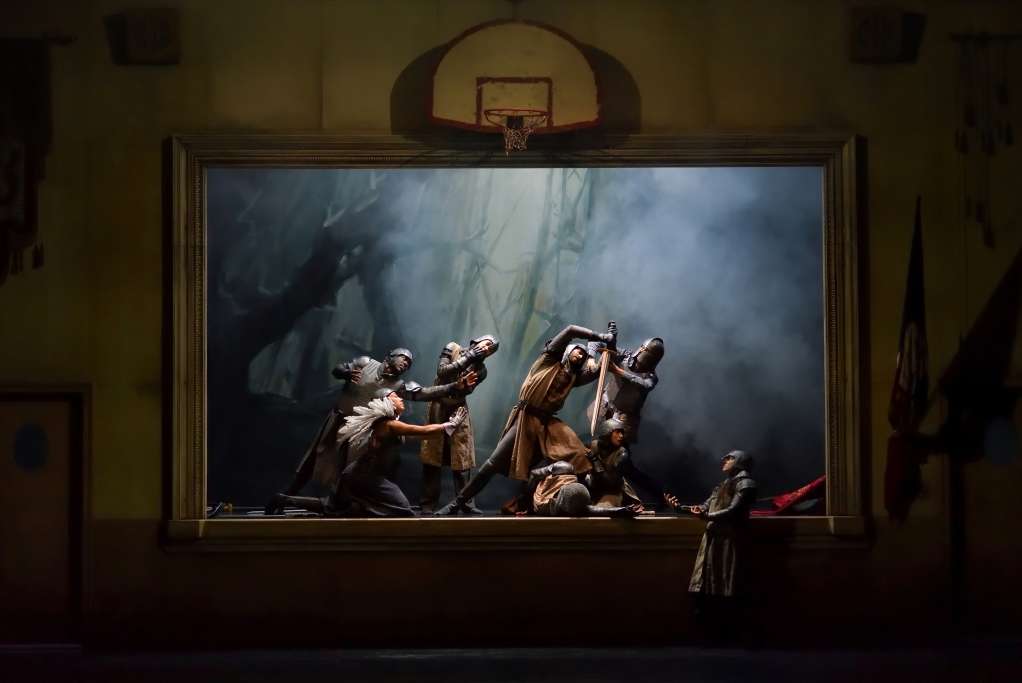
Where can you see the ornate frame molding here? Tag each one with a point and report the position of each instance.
(838, 155)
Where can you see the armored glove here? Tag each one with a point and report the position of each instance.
(610, 337)
(624, 511)
(559, 467)
(456, 420)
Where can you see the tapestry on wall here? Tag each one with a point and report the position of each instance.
(25, 133)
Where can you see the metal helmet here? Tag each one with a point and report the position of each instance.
(743, 461)
(646, 357)
(573, 500)
(608, 426)
(495, 343)
(572, 347)
(400, 351)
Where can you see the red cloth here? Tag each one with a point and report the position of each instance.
(786, 500)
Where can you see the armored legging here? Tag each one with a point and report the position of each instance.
(499, 462)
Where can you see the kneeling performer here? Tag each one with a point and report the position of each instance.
(372, 435)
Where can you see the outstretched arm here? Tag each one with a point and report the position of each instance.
(559, 343)
(398, 428)
(742, 501)
(626, 466)
(554, 468)
(413, 391)
(646, 380)
(620, 511)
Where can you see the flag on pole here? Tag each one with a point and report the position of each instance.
(911, 376)
(909, 395)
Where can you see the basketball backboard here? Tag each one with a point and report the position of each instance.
(514, 65)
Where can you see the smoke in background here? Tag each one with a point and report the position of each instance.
(723, 263)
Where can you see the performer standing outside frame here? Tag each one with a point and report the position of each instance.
(716, 578)
(364, 378)
(533, 430)
(456, 451)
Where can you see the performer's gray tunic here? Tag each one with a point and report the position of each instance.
(719, 561)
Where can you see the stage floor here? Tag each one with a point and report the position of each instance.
(969, 661)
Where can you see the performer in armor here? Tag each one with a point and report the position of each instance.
(612, 468)
(369, 437)
(717, 572)
(634, 377)
(364, 378)
(533, 430)
(456, 451)
(555, 491)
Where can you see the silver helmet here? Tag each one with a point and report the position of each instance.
(648, 356)
(743, 461)
(400, 351)
(573, 500)
(608, 426)
(494, 342)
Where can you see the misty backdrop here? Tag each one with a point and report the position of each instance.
(310, 267)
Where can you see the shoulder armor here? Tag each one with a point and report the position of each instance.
(361, 361)
(450, 349)
(412, 387)
(743, 481)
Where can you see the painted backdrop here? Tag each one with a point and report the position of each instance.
(311, 267)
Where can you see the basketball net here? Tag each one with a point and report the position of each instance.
(517, 125)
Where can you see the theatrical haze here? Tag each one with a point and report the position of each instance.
(538, 341)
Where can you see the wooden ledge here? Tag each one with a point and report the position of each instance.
(649, 534)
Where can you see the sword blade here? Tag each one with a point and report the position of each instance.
(604, 362)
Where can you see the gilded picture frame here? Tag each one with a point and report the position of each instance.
(840, 157)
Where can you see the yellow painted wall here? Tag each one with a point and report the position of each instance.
(93, 314)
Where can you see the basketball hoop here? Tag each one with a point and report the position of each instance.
(516, 124)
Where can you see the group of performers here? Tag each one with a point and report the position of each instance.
(357, 447)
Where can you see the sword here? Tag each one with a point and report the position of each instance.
(604, 362)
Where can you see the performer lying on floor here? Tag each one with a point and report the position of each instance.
(371, 435)
(555, 491)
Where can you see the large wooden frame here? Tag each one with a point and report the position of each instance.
(838, 155)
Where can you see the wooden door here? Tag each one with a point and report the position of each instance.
(41, 514)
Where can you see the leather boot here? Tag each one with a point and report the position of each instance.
(461, 479)
(474, 485)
